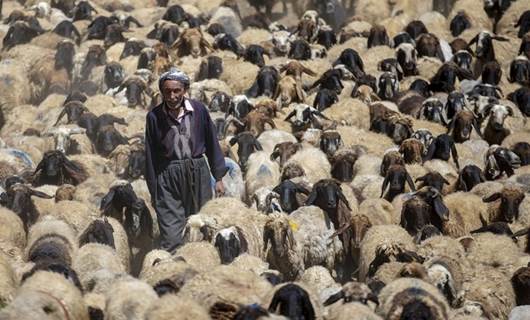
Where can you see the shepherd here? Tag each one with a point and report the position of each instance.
(182, 154)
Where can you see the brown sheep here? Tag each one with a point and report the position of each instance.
(289, 90)
(412, 150)
(391, 158)
(461, 126)
(255, 122)
(296, 69)
(65, 192)
(284, 151)
(191, 41)
(506, 210)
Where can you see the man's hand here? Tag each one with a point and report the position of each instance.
(219, 188)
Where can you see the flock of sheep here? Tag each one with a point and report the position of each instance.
(378, 160)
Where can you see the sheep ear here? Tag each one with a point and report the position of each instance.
(477, 127)
(302, 189)
(383, 186)
(61, 115)
(290, 115)
(474, 40)
(343, 198)
(430, 152)
(500, 38)
(450, 126)
(275, 154)
(40, 194)
(334, 298)
(455, 155)
(440, 208)
(410, 182)
(253, 91)
(461, 184)
(445, 181)
(257, 145)
(107, 200)
(311, 198)
(493, 197)
(521, 232)
(510, 111)
(372, 297)
(233, 141)
(420, 179)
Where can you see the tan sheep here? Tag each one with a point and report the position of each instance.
(171, 307)
(202, 256)
(378, 236)
(225, 284)
(46, 295)
(466, 213)
(12, 228)
(94, 257)
(128, 299)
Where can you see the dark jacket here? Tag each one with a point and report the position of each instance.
(203, 137)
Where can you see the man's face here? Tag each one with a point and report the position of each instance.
(173, 92)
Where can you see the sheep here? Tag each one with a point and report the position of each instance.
(129, 298)
(56, 168)
(12, 229)
(92, 258)
(345, 311)
(44, 295)
(260, 172)
(167, 270)
(466, 213)
(507, 210)
(172, 308)
(199, 255)
(495, 296)
(313, 162)
(404, 298)
(18, 199)
(381, 236)
(8, 282)
(294, 300)
(225, 284)
(310, 241)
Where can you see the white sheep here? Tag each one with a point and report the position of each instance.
(382, 236)
(129, 298)
(261, 172)
(313, 162)
(47, 295)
